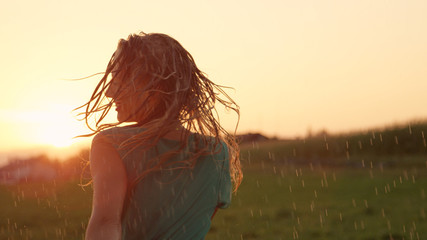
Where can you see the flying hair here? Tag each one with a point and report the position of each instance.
(159, 67)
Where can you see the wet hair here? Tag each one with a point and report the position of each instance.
(181, 93)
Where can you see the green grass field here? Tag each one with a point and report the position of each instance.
(300, 203)
(275, 201)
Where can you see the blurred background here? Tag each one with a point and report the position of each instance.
(319, 83)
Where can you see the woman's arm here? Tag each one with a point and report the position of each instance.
(109, 190)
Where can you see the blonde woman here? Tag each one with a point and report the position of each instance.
(167, 165)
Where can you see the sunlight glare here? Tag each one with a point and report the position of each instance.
(59, 128)
(55, 126)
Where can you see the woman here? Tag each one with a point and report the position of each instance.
(164, 174)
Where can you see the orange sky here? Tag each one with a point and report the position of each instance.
(295, 65)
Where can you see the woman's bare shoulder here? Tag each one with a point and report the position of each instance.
(115, 135)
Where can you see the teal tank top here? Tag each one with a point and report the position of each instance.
(172, 203)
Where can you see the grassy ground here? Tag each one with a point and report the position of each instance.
(44, 211)
(301, 203)
(275, 201)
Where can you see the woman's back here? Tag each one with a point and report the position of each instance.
(176, 202)
(163, 177)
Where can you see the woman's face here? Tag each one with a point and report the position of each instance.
(127, 97)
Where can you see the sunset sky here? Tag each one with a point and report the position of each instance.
(294, 65)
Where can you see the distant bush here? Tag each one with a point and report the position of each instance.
(345, 149)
